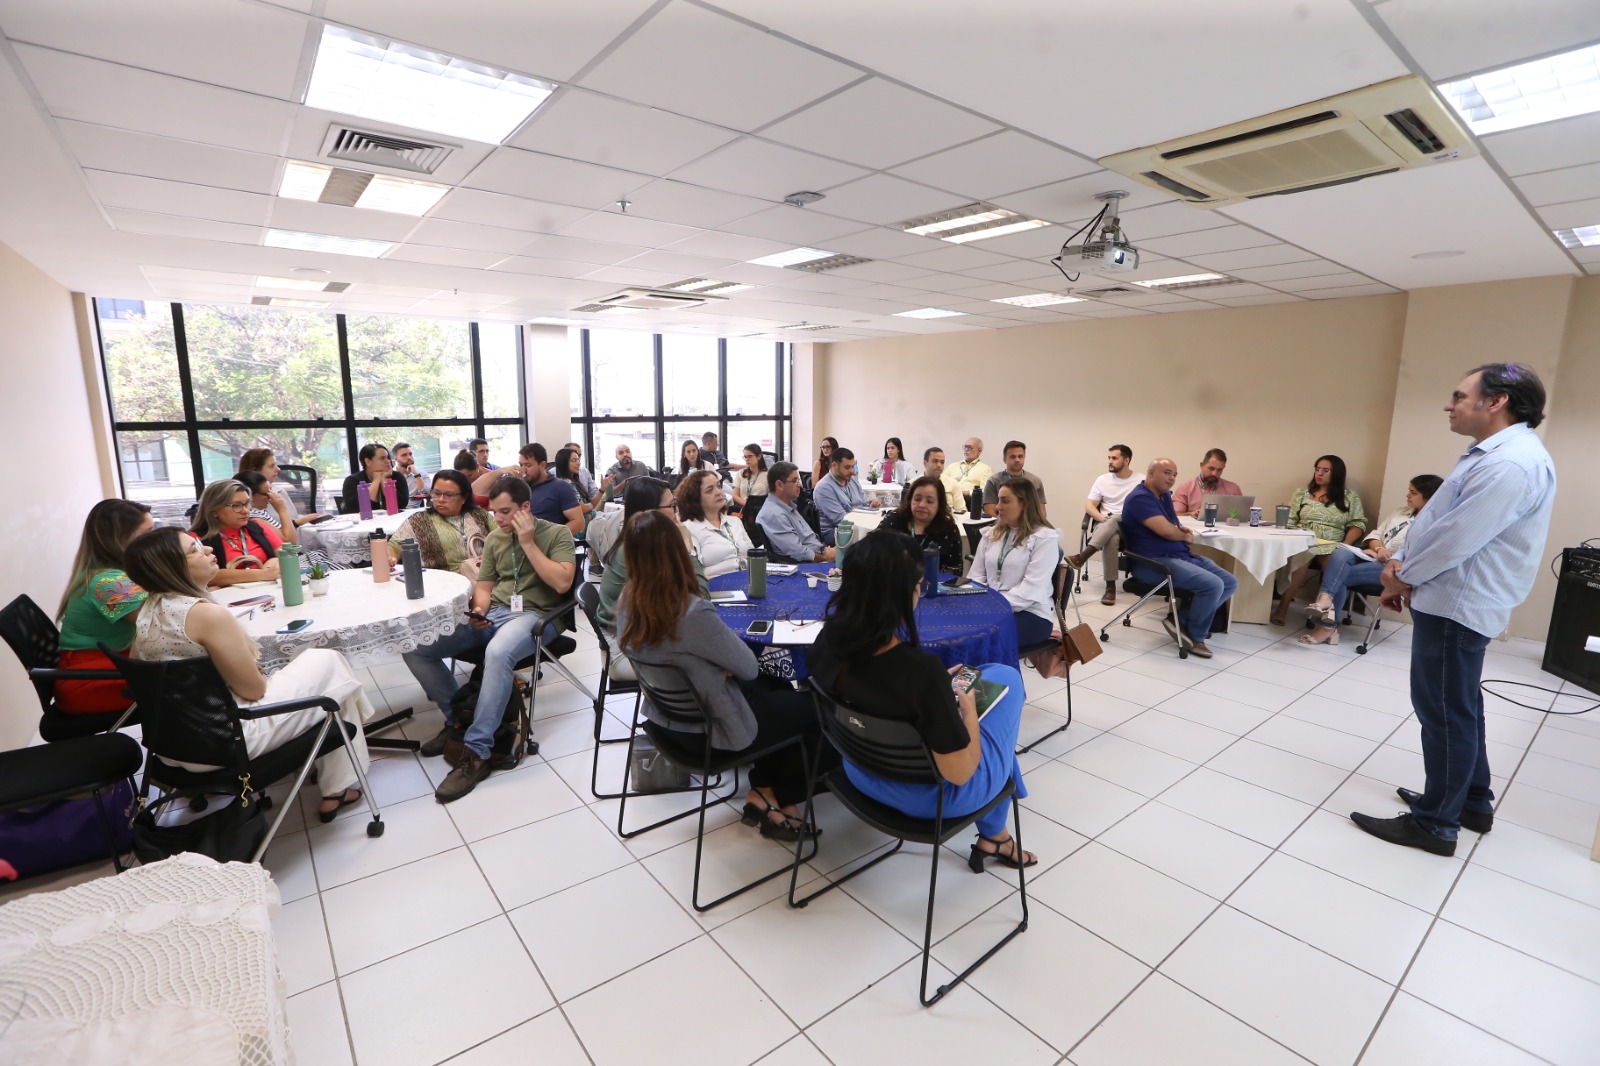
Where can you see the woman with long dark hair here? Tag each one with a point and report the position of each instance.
(893, 467)
(450, 531)
(377, 469)
(752, 480)
(568, 466)
(868, 656)
(689, 459)
(643, 494)
(819, 469)
(1018, 560)
(99, 606)
(1328, 509)
(924, 516)
(265, 463)
(664, 620)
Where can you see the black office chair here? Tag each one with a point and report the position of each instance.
(589, 601)
(542, 655)
(893, 750)
(1085, 530)
(302, 482)
(68, 768)
(190, 716)
(1064, 592)
(37, 644)
(752, 509)
(975, 531)
(1145, 591)
(670, 693)
(805, 482)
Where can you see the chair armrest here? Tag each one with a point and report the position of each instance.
(1163, 567)
(268, 710)
(565, 607)
(44, 673)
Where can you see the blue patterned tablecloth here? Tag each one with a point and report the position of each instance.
(958, 629)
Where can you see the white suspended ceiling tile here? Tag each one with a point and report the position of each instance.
(1450, 38)
(90, 90)
(765, 170)
(445, 234)
(1052, 68)
(1323, 281)
(1002, 163)
(879, 124)
(1073, 202)
(687, 266)
(940, 282)
(1548, 146)
(1347, 291)
(594, 253)
(455, 257)
(953, 257)
(178, 198)
(1016, 271)
(308, 216)
(879, 271)
(886, 292)
(547, 177)
(881, 199)
(552, 41)
(727, 246)
(798, 225)
(1250, 257)
(617, 228)
(510, 212)
(193, 39)
(1286, 271)
(618, 276)
(1173, 217)
(1569, 215)
(107, 148)
(1222, 292)
(690, 205)
(1039, 244)
(1251, 301)
(705, 65)
(883, 243)
(617, 133)
(1184, 245)
(1561, 186)
(160, 225)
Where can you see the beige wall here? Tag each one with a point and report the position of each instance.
(1275, 386)
(548, 352)
(44, 406)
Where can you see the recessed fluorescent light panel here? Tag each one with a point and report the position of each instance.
(975, 222)
(289, 283)
(709, 286)
(793, 257)
(1529, 93)
(323, 242)
(1039, 299)
(1579, 236)
(372, 77)
(928, 312)
(1182, 280)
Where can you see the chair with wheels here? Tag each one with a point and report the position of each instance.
(589, 601)
(1369, 595)
(68, 768)
(190, 717)
(302, 482)
(37, 644)
(1174, 595)
(894, 750)
(542, 655)
(689, 746)
(1086, 528)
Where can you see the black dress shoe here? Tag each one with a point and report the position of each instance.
(1406, 831)
(1478, 821)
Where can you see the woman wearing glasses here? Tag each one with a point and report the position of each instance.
(451, 531)
(1018, 558)
(246, 550)
(644, 494)
(719, 541)
(1331, 511)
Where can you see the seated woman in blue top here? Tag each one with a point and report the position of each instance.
(867, 656)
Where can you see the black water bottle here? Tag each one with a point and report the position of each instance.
(411, 559)
(930, 571)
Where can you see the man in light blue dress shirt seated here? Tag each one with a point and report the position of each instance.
(789, 537)
(839, 492)
(1470, 557)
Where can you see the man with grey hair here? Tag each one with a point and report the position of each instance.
(971, 472)
(1469, 559)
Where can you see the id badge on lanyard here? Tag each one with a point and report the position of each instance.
(516, 567)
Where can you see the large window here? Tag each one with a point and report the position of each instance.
(652, 392)
(194, 386)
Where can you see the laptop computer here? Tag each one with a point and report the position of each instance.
(1227, 505)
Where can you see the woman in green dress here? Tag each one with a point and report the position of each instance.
(1331, 511)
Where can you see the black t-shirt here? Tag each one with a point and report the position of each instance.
(903, 685)
(947, 544)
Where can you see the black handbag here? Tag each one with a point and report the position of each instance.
(229, 834)
(510, 742)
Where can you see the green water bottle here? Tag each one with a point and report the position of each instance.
(294, 593)
(842, 535)
(758, 574)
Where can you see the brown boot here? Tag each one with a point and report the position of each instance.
(433, 747)
(1077, 561)
(463, 779)
(1110, 598)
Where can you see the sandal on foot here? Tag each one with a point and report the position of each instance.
(1320, 635)
(343, 799)
(1322, 616)
(999, 855)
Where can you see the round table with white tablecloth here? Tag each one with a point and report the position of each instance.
(887, 491)
(369, 621)
(347, 538)
(1256, 551)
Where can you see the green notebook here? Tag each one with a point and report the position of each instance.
(988, 693)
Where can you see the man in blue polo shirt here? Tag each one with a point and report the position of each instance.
(1149, 527)
(554, 499)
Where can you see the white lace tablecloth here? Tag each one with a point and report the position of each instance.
(1260, 549)
(369, 621)
(346, 539)
(887, 491)
(170, 964)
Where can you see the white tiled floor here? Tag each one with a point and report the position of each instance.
(1202, 896)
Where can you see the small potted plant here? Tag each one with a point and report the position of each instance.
(872, 474)
(319, 580)
(1233, 516)
(835, 579)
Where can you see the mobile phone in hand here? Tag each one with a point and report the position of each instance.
(476, 616)
(963, 680)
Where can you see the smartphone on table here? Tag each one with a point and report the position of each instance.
(295, 626)
(760, 627)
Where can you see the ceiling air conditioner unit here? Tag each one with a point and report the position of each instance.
(1394, 125)
(649, 300)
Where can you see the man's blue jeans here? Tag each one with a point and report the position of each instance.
(508, 640)
(1210, 583)
(1446, 669)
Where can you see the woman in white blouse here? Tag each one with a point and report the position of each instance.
(1344, 569)
(1018, 559)
(719, 540)
(752, 480)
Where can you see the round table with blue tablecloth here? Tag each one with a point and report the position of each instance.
(975, 628)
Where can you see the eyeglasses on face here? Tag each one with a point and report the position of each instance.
(243, 505)
(446, 495)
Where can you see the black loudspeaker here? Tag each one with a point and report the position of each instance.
(1574, 619)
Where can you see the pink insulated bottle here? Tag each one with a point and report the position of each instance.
(390, 497)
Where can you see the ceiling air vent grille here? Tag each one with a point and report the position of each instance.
(1110, 290)
(385, 150)
(807, 327)
(648, 300)
(833, 262)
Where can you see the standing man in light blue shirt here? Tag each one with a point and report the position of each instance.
(1470, 558)
(839, 492)
(787, 533)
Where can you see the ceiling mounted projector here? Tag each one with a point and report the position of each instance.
(1108, 251)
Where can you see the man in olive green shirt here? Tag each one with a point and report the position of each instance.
(528, 569)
